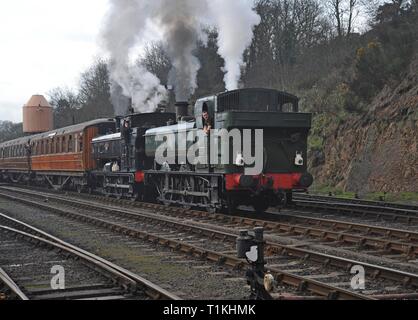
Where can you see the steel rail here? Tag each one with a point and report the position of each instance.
(351, 226)
(381, 204)
(9, 283)
(126, 278)
(408, 216)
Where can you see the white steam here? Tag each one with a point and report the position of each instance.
(181, 24)
(125, 25)
(235, 20)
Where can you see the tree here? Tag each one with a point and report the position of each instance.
(10, 130)
(66, 105)
(287, 30)
(210, 78)
(391, 11)
(94, 95)
(156, 61)
(344, 13)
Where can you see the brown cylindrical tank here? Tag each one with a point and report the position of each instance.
(38, 115)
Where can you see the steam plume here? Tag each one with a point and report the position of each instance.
(125, 25)
(181, 23)
(235, 20)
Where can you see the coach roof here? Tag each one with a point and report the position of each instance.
(58, 132)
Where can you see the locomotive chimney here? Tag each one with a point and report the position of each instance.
(181, 109)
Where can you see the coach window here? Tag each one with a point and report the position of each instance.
(60, 148)
(64, 144)
(76, 143)
(52, 145)
(70, 143)
(58, 145)
(80, 142)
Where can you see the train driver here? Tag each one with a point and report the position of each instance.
(207, 122)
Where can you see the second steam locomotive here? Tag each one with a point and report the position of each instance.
(129, 157)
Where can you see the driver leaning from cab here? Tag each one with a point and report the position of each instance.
(207, 122)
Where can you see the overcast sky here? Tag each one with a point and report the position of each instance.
(44, 44)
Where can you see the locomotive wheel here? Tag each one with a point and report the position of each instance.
(260, 206)
(211, 210)
(289, 199)
(134, 197)
(230, 207)
(119, 194)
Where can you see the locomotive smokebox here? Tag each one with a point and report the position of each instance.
(38, 115)
(181, 109)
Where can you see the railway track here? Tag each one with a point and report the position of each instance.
(388, 205)
(27, 255)
(395, 244)
(186, 276)
(388, 283)
(378, 210)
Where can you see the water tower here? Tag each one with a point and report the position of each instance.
(38, 115)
